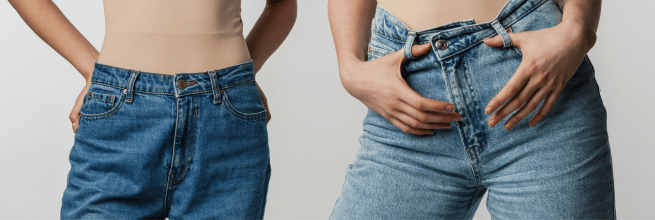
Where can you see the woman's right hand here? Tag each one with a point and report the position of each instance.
(380, 86)
(75, 113)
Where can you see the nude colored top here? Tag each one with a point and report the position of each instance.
(424, 14)
(173, 36)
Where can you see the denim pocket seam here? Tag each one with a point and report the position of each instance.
(237, 113)
(111, 112)
(376, 51)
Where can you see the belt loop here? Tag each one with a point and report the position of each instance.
(215, 87)
(408, 45)
(507, 41)
(129, 91)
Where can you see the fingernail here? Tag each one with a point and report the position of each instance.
(491, 122)
(509, 126)
(459, 118)
(486, 110)
(451, 108)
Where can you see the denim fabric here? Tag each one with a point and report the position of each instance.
(560, 169)
(190, 145)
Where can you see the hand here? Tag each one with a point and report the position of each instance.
(551, 57)
(380, 86)
(268, 111)
(75, 113)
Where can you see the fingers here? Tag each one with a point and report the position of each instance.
(529, 107)
(516, 102)
(74, 116)
(428, 116)
(497, 41)
(511, 89)
(546, 107)
(421, 103)
(407, 129)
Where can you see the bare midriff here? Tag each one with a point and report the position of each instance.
(424, 14)
(172, 36)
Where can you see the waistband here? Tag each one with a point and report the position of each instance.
(388, 26)
(180, 84)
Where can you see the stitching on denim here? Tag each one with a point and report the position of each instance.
(193, 134)
(476, 100)
(110, 85)
(110, 112)
(238, 84)
(386, 37)
(378, 51)
(198, 92)
(149, 92)
(253, 116)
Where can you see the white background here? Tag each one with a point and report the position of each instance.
(315, 124)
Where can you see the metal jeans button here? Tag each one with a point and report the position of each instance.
(442, 44)
(181, 84)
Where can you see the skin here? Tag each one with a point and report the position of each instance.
(550, 58)
(413, 12)
(50, 24)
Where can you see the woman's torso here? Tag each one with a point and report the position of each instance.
(424, 14)
(170, 36)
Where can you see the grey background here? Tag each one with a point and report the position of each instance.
(315, 123)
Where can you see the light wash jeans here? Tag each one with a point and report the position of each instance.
(189, 145)
(560, 169)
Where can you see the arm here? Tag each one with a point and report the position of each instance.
(47, 21)
(378, 83)
(270, 30)
(551, 57)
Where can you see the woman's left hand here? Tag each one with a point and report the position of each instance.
(551, 57)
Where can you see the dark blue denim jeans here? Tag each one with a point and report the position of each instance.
(559, 169)
(190, 145)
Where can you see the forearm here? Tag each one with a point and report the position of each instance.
(583, 16)
(271, 29)
(350, 22)
(50, 24)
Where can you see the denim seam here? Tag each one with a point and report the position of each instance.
(476, 101)
(166, 93)
(111, 112)
(238, 84)
(253, 116)
(193, 134)
(161, 74)
(386, 37)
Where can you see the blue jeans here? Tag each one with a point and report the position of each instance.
(560, 169)
(190, 145)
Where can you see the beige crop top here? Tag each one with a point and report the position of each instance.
(173, 36)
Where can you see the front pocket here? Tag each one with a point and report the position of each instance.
(244, 101)
(100, 101)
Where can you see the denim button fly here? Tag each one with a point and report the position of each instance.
(442, 44)
(181, 84)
